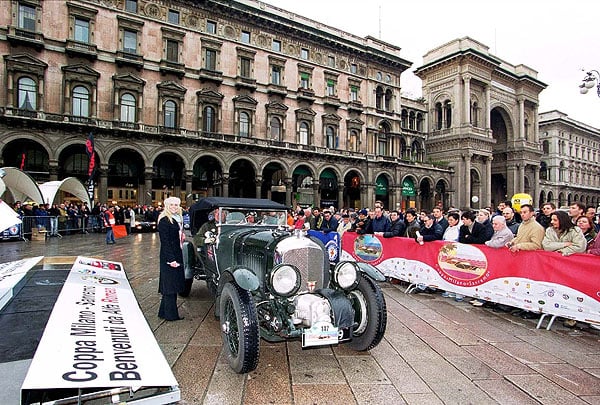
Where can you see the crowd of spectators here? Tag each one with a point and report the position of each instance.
(70, 217)
(564, 231)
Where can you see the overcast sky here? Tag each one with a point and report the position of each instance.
(555, 38)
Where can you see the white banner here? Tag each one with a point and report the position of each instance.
(97, 336)
(10, 275)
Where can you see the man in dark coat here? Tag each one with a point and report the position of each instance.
(471, 231)
(430, 230)
(172, 277)
(329, 223)
(397, 226)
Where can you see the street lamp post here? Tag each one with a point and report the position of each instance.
(591, 79)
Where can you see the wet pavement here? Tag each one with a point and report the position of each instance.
(435, 350)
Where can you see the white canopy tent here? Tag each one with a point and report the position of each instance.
(71, 185)
(21, 186)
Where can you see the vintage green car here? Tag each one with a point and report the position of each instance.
(276, 283)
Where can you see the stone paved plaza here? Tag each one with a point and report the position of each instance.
(435, 350)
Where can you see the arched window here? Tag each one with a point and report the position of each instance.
(330, 137)
(439, 117)
(208, 119)
(304, 135)
(543, 171)
(562, 172)
(403, 149)
(244, 124)
(404, 119)
(382, 145)
(81, 102)
(420, 122)
(416, 151)
(170, 114)
(411, 120)
(276, 129)
(546, 147)
(448, 113)
(128, 104)
(475, 114)
(27, 94)
(388, 100)
(353, 141)
(379, 98)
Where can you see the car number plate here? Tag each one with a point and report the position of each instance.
(321, 333)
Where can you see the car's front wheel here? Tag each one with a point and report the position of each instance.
(239, 328)
(370, 314)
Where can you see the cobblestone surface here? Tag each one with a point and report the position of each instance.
(435, 350)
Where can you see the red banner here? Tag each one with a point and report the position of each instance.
(540, 281)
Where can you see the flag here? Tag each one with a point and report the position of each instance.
(89, 149)
(22, 166)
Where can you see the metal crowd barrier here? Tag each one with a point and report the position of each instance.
(33, 227)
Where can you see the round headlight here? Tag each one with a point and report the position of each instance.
(285, 280)
(345, 275)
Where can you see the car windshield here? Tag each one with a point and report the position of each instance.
(239, 216)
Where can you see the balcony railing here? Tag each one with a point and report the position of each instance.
(19, 36)
(151, 131)
(77, 48)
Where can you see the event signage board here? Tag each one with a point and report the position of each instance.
(539, 281)
(10, 275)
(97, 336)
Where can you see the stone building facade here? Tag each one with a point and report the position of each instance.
(240, 98)
(570, 163)
(210, 98)
(483, 121)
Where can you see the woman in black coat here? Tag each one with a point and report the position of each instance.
(172, 277)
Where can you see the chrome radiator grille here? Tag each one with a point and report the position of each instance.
(309, 260)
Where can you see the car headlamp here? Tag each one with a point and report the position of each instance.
(345, 275)
(284, 280)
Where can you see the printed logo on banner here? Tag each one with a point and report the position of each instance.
(368, 248)
(100, 280)
(460, 263)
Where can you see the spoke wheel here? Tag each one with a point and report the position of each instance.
(239, 328)
(370, 314)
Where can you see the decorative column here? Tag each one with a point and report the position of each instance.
(521, 101)
(147, 192)
(536, 183)
(189, 175)
(225, 184)
(467, 99)
(488, 179)
(340, 198)
(288, 191)
(53, 170)
(258, 184)
(466, 195)
(521, 180)
(488, 108)
(536, 129)
(316, 194)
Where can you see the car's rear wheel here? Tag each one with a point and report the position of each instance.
(239, 328)
(370, 314)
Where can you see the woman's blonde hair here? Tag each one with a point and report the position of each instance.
(166, 212)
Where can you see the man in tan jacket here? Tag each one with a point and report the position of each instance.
(530, 233)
